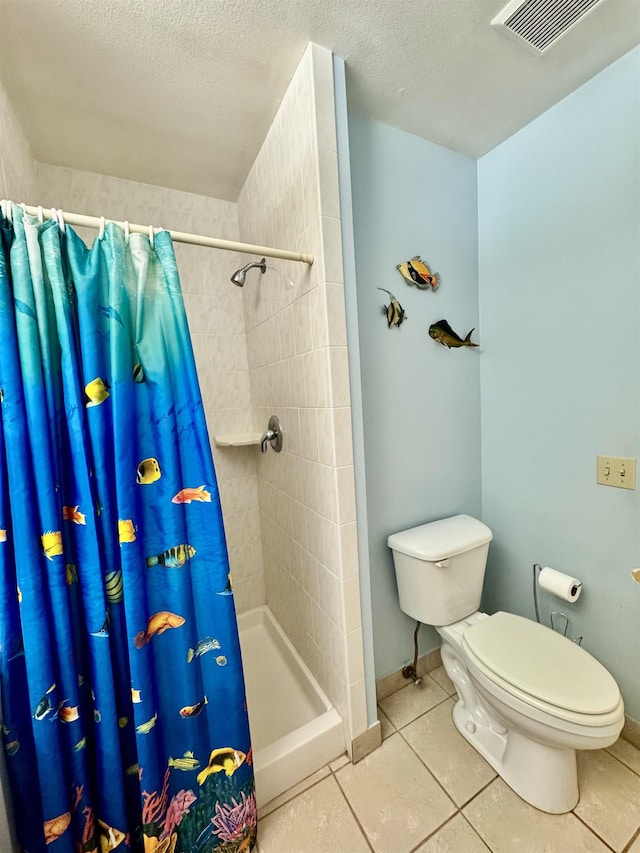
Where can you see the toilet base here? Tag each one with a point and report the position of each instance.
(546, 777)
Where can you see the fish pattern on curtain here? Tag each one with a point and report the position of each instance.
(124, 717)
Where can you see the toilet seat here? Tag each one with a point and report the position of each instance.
(542, 669)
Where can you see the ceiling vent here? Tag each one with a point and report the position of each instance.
(540, 23)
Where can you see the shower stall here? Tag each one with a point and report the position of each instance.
(301, 602)
(294, 727)
(275, 346)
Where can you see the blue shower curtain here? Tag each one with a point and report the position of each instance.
(124, 719)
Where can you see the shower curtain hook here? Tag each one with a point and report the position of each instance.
(24, 207)
(54, 216)
(126, 232)
(5, 208)
(40, 214)
(151, 236)
(103, 223)
(61, 222)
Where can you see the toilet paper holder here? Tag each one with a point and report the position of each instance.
(556, 614)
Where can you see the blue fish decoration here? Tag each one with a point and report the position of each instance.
(23, 308)
(204, 836)
(228, 589)
(208, 644)
(104, 631)
(19, 653)
(111, 314)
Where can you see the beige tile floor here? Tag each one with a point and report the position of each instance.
(425, 790)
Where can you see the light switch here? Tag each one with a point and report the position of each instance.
(617, 471)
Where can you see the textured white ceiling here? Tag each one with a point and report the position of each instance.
(181, 93)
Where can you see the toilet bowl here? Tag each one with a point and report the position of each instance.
(528, 697)
(525, 716)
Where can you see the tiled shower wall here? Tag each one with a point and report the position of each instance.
(215, 314)
(296, 343)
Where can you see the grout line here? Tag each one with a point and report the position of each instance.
(295, 796)
(592, 830)
(484, 788)
(355, 816)
(433, 707)
(473, 829)
(633, 838)
(435, 831)
(431, 773)
(622, 761)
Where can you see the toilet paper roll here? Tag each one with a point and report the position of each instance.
(564, 586)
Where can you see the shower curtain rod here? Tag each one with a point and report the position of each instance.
(176, 236)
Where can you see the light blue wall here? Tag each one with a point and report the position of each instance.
(420, 402)
(559, 258)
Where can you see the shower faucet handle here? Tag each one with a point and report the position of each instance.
(272, 436)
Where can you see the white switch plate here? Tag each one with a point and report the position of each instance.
(617, 471)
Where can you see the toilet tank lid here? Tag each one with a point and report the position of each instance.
(438, 540)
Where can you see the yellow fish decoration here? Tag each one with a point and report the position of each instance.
(97, 392)
(72, 513)
(114, 586)
(136, 696)
(126, 530)
(69, 715)
(193, 710)
(394, 312)
(145, 728)
(444, 334)
(55, 827)
(71, 573)
(417, 272)
(148, 471)
(52, 543)
(122, 722)
(186, 763)
(19, 591)
(110, 837)
(3, 535)
(158, 624)
(226, 759)
(12, 747)
(173, 558)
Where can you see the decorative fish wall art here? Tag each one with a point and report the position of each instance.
(444, 334)
(416, 272)
(394, 312)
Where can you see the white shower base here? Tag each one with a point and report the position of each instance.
(295, 730)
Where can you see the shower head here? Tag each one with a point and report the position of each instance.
(239, 275)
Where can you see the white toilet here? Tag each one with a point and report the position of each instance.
(527, 696)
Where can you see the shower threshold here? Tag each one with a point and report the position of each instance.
(295, 730)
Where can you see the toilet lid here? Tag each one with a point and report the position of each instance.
(542, 663)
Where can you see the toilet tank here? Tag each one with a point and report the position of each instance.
(440, 568)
